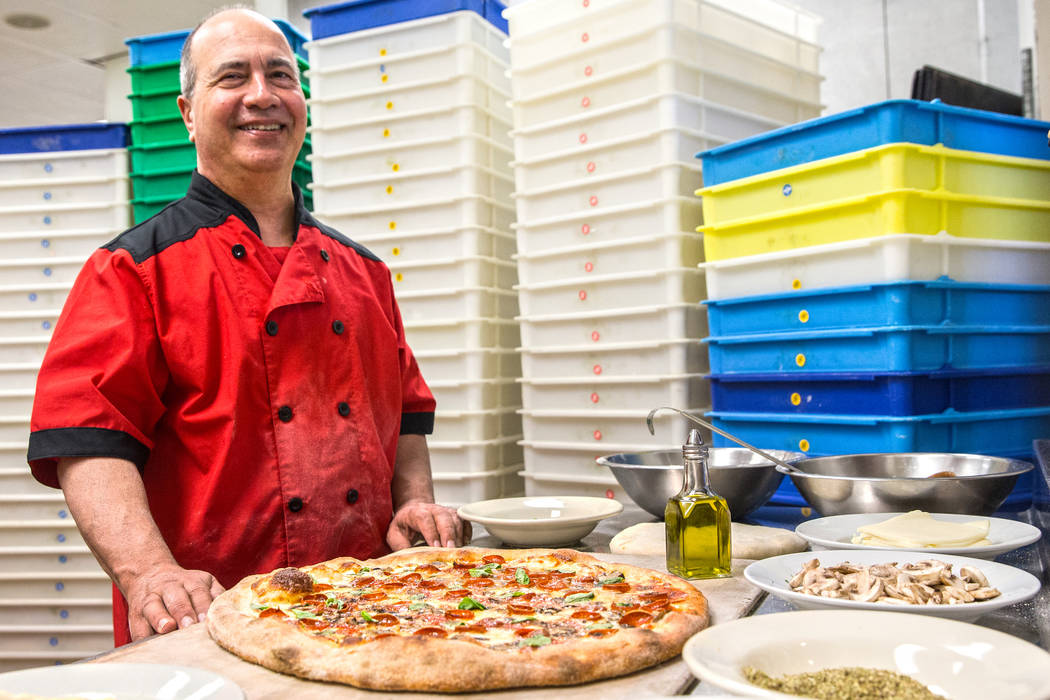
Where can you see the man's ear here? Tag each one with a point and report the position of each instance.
(186, 110)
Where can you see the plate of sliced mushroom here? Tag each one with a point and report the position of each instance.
(841, 531)
(944, 585)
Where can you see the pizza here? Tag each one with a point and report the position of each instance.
(459, 620)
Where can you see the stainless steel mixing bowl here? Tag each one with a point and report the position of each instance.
(738, 475)
(899, 482)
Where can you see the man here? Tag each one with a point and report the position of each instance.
(228, 389)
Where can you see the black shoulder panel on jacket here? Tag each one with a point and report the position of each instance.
(179, 221)
(309, 219)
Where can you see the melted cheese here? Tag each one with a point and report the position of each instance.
(920, 529)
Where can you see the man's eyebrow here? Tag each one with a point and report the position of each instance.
(237, 64)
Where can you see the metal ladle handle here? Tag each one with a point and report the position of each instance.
(700, 421)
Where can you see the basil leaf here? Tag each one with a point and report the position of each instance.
(485, 570)
(334, 603)
(618, 578)
(576, 597)
(305, 614)
(516, 594)
(259, 607)
(568, 569)
(536, 640)
(522, 577)
(623, 605)
(523, 619)
(367, 617)
(417, 606)
(469, 603)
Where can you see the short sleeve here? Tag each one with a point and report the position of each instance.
(417, 401)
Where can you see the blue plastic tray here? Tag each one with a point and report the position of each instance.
(881, 349)
(897, 394)
(975, 432)
(889, 304)
(357, 15)
(892, 121)
(162, 48)
(68, 137)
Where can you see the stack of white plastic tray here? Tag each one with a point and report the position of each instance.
(611, 101)
(56, 208)
(411, 157)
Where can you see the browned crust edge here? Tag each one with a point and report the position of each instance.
(443, 665)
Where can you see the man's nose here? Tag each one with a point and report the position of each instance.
(260, 93)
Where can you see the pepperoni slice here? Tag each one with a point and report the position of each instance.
(519, 609)
(636, 618)
(562, 574)
(493, 559)
(653, 595)
(460, 614)
(385, 619)
(364, 582)
(540, 579)
(315, 623)
(314, 598)
(322, 587)
(429, 568)
(555, 584)
(392, 585)
(271, 612)
(479, 582)
(588, 615)
(604, 632)
(430, 632)
(374, 595)
(526, 631)
(409, 579)
(431, 584)
(458, 593)
(617, 587)
(656, 606)
(471, 629)
(526, 596)
(462, 564)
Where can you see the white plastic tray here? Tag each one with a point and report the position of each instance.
(595, 59)
(646, 252)
(614, 393)
(332, 167)
(26, 297)
(607, 292)
(463, 334)
(56, 558)
(608, 223)
(460, 488)
(49, 506)
(65, 244)
(887, 258)
(656, 77)
(443, 273)
(65, 217)
(460, 242)
(72, 191)
(407, 98)
(458, 303)
(63, 165)
(678, 321)
(32, 585)
(483, 395)
(654, 111)
(15, 477)
(388, 41)
(15, 429)
(473, 457)
(557, 484)
(19, 349)
(621, 360)
(92, 611)
(619, 155)
(474, 426)
(27, 322)
(43, 533)
(392, 188)
(83, 639)
(469, 365)
(392, 70)
(29, 271)
(423, 215)
(18, 375)
(599, 430)
(657, 181)
(406, 128)
(16, 402)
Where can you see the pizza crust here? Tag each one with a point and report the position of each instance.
(450, 665)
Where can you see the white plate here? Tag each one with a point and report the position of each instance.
(836, 531)
(118, 681)
(540, 521)
(773, 574)
(959, 660)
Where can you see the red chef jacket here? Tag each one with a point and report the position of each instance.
(261, 401)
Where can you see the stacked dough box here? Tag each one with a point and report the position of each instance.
(411, 158)
(162, 155)
(612, 98)
(63, 193)
(878, 282)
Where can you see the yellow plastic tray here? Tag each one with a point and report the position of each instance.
(892, 211)
(894, 166)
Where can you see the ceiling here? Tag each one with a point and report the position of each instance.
(58, 74)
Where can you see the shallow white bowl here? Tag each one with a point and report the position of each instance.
(835, 532)
(540, 521)
(773, 574)
(957, 659)
(122, 681)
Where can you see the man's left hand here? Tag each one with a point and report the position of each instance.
(439, 526)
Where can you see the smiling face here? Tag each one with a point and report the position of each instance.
(246, 112)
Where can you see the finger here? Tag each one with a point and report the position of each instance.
(426, 527)
(139, 626)
(395, 537)
(200, 598)
(177, 601)
(216, 590)
(468, 532)
(446, 525)
(157, 616)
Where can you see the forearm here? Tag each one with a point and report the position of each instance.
(412, 481)
(108, 501)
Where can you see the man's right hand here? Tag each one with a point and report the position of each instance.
(166, 600)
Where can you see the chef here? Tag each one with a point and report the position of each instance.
(228, 389)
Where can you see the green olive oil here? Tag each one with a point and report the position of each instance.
(697, 521)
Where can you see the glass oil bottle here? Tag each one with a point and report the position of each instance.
(697, 520)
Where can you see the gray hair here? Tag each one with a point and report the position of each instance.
(188, 69)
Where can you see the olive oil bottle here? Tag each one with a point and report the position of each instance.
(697, 520)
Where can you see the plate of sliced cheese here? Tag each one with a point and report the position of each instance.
(944, 533)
